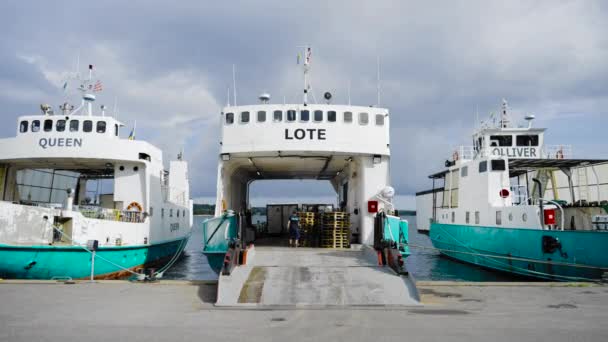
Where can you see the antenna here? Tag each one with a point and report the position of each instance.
(348, 90)
(307, 57)
(228, 98)
(378, 78)
(234, 82)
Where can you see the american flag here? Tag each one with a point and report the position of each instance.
(98, 86)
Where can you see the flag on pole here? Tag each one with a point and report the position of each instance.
(98, 86)
(132, 134)
(65, 86)
(308, 56)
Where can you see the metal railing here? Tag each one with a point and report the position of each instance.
(111, 214)
(547, 152)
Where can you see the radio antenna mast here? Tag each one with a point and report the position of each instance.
(378, 78)
(306, 67)
(234, 82)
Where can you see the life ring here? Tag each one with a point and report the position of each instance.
(136, 206)
(455, 156)
(559, 154)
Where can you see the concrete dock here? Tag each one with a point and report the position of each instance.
(184, 311)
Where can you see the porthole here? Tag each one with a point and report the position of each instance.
(135, 168)
(121, 168)
(524, 217)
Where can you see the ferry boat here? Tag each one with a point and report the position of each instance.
(498, 204)
(345, 145)
(79, 201)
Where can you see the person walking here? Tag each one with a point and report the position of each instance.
(294, 229)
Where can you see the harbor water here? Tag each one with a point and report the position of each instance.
(423, 264)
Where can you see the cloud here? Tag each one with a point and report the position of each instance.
(170, 65)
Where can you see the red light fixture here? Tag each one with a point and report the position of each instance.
(372, 207)
(504, 193)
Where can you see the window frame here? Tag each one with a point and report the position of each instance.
(228, 119)
(84, 126)
(382, 117)
(23, 126)
(499, 217)
(262, 114)
(483, 166)
(274, 116)
(314, 116)
(295, 115)
(477, 218)
(71, 128)
(464, 171)
(504, 140)
(35, 124)
(60, 125)
(362, 116)
(532, 137)
(335, 116)
(101, 127)
(48, 125)
(302, 111)
(244, 114)
(350, 115)
(467, 217)
(496, 162)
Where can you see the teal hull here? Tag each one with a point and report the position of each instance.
(582, 255)
(48, 262)
(218, 232)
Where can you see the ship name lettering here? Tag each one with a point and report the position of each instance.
(308, 133)
(59, 142)
(515, 152)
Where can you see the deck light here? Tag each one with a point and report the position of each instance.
(225, 156)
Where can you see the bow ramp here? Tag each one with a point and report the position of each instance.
(280, 276)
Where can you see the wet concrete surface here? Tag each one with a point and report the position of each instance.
(184, 311)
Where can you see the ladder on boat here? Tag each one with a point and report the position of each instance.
(582, 184)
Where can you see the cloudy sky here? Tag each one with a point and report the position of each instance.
(169, 65)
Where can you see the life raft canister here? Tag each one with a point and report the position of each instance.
(135, 205)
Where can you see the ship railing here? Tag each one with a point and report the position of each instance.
(519, 194)
(557, 151)
(99, 213)
(463, 153)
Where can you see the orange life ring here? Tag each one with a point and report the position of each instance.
(455, 156)
(135, 205)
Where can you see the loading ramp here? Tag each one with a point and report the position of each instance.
(281, 276)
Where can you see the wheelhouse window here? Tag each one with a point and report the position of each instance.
(464, 171)
(379, 119)
(501, 140)
(229, 118)
(527, 140)
(261, 116)
(48, 125)
(331, 116)
(363, 118)
(244, 117)
(87, 126)
(36, 126)
(318, 116)
(498, 165)
(74, 125)
(60, 127)
(101, 126)
(291, 115)
(23, 126)
(116, 130)
(348, 117)
(305, 115)
(483, 166)
(277, 116)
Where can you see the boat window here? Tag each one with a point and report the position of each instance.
(348, 117)
(318, 115)
(501, 140)
(363, 118)
(184, 213)
(379, 119)
(304, 115)
(35, 125)
(87, 126)
(477, 217)
(510, 216)
(170, 212)
(464, 171)
(23, 126)
(101, 126)
(162, 212)
(261, 116)
(244, 117)
(291, 115)
(453, 216)
(48, 125)
(278, 116)
(144, 156)
(331, 116)
(498, 165)
(483, 166)
(74, 125)
(177, 213)
(499, 217)
(467, 217)
(527, 140)
(116, 129)
(229, 118)
(524, 217)
(60, 125)
(151, 211)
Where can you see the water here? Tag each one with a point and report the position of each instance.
(423, 264)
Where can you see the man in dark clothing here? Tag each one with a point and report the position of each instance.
(294, 229)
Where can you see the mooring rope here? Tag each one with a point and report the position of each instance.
(175, 257)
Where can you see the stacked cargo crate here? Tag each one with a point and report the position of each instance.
(307, 227)
(335, 232)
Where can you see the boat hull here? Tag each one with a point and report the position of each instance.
(520, 251)
(60, 262)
